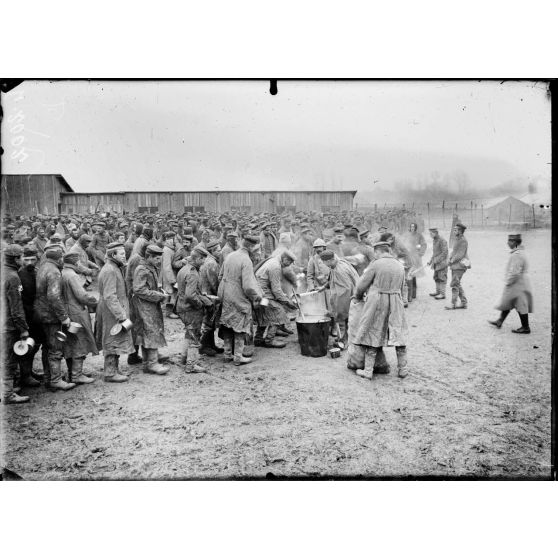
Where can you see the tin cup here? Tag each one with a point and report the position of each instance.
(127, 324)
(335, 352)
(74, 327)
(264, 301)
(21, 347)
(31, 342)
(61, 336)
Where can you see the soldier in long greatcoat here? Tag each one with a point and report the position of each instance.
(191, 306)
(77, 301)
(517, 291)
(269, 277)
(383, 322)
(150, 333)
(168, 276)
(113, 309)
(439, 263)
(238, 290)
(341, 284)
(50, 312)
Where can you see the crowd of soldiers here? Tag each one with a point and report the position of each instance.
(229, 278)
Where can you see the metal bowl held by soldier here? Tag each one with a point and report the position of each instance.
(21, 347)
(74, 327)
(117, 328)
(61, 336)
(264, 301)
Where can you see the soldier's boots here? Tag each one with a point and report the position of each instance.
(228, 341)
(274, 343)
(61, 385)
(207, 341)
(524, 324)
(111, 373)
(239, 342)
(134, 358)
(402, 366)
(14, 398)
(249, 350)
(56, 381)
(152, 364)
(78, 377)
(116, 378)
(29, 381)
(211, 342)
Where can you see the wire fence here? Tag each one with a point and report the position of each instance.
(475, 214)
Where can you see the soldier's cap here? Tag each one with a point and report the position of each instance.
(213, 244)
(233, 234)
(13, 250)
(123, 225)
(460, 226)
(338, 230)
(327, 255)
(55, 237)
(251, 239)
(288, 254)
(188, 231)
(319, 242)
(168, 234)
(29, 250)
(53, 248)
(200, 250)
(381, 243)
(352, 231)
(515, 236)
(10, 227)
(382, 227)
(99, 224)
(71, 257)
(363, 234)
(305, 230)
(114, 246)
(85, 238)
(433, 229)
(153, 249)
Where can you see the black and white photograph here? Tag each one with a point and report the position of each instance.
(220, 279)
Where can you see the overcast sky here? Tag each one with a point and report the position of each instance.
(110, 136)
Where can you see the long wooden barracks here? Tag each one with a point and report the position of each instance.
(51, 194)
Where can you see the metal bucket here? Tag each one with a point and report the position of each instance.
(313, 334)
(312, 304)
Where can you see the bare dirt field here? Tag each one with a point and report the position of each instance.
(476, 403)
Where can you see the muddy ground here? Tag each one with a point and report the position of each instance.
(476, 403)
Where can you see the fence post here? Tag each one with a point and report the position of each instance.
(428, 209)
(509, 218)
(534, 221)
(472, 212)
(444, 213)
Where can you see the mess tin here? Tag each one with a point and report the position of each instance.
(22, 346)
(264, 301)
(335, 352)
(61, 336)
(117, 328)
(74, 327)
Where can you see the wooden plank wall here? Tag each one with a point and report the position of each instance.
(31, 194)
(210, 201)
